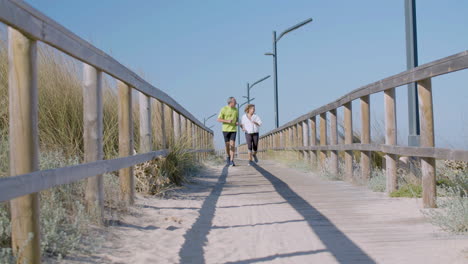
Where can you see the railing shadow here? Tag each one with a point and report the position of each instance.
(197, 236)
(336, 242)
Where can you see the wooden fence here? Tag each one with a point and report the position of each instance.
(300, 134)
(27, 26)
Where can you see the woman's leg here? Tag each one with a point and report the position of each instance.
(255, 142)
(248, 139)
(255, 145)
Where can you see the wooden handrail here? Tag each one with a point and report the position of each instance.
(446, 65)
(26, 27)
(35, 25)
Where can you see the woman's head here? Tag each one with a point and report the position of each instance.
(250, 109)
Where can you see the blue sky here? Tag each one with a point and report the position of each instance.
(201, 52)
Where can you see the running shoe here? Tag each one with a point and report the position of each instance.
(255, 158)
(232, 163)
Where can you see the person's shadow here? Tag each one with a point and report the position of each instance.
(336, 242)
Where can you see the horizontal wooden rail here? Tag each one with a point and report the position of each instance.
(37, 26)
(26, 27)
(16, 186)
(437, 153)
(439, 67)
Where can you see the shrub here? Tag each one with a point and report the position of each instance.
(408, 190)
(377, 181)
(452, 200)
(452, 215)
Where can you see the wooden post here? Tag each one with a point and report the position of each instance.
(333, 165)
(92, 137)
(163, 136)
(127, 183)
(24, 142)
(305, 138)
(291, 137)
(323, 139)
(168, 125)
(183, 127)
(348, 123)
(294, 139)
(313, 141)
(145, 123)
(390, 139)
(281, 139)
(176, 119)
(365, 138)
(429, 193)
(300, 140)
(189, 133)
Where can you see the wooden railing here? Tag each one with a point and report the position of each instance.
(300, 134)
(27, 26)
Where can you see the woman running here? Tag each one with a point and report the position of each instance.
(250, 123)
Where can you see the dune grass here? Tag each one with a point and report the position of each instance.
(65, 225)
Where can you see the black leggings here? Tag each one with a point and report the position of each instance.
(252, 141)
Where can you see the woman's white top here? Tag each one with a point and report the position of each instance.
(249, 125)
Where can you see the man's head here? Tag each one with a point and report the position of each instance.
(231, 101)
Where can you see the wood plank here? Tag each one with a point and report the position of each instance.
(427, 140)
(348, 126)
(93, 137)
(390, 139)
(313, 141)
(333, 166)
(23, 184)
(127, 183)
(24, 143)
(146, 137)
(36, 25)
(305, 138)
(365, 138)
(176, 122)
(437, 153)
(323, 140)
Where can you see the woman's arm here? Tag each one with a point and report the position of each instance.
(257, 121)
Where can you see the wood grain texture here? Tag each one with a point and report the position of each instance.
(348, 126)
(127, 183)
(24, 142)
(365, 138)
(427, 139)
(146, 137)
(333, 166)
(323, 139)
(390, 139)
(93, 137)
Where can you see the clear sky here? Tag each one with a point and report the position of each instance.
(201, 52)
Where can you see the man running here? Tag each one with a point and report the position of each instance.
(229, 115)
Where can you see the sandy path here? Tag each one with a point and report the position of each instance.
(273, 214)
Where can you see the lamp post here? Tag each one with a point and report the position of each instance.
(275, 67)
(238, 130)
(206, 119)
(250, 87)
(411, 62)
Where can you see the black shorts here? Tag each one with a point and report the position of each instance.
(229, 136)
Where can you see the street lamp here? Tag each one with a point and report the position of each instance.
(238, 131)
(250, 87)
(275, 68)
(411, 62)
(206, 119)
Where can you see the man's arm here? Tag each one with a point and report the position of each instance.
(224, 121)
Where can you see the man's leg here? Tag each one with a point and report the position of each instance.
(232, 145)
(228, 149)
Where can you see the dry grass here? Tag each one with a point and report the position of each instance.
(64, 222)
